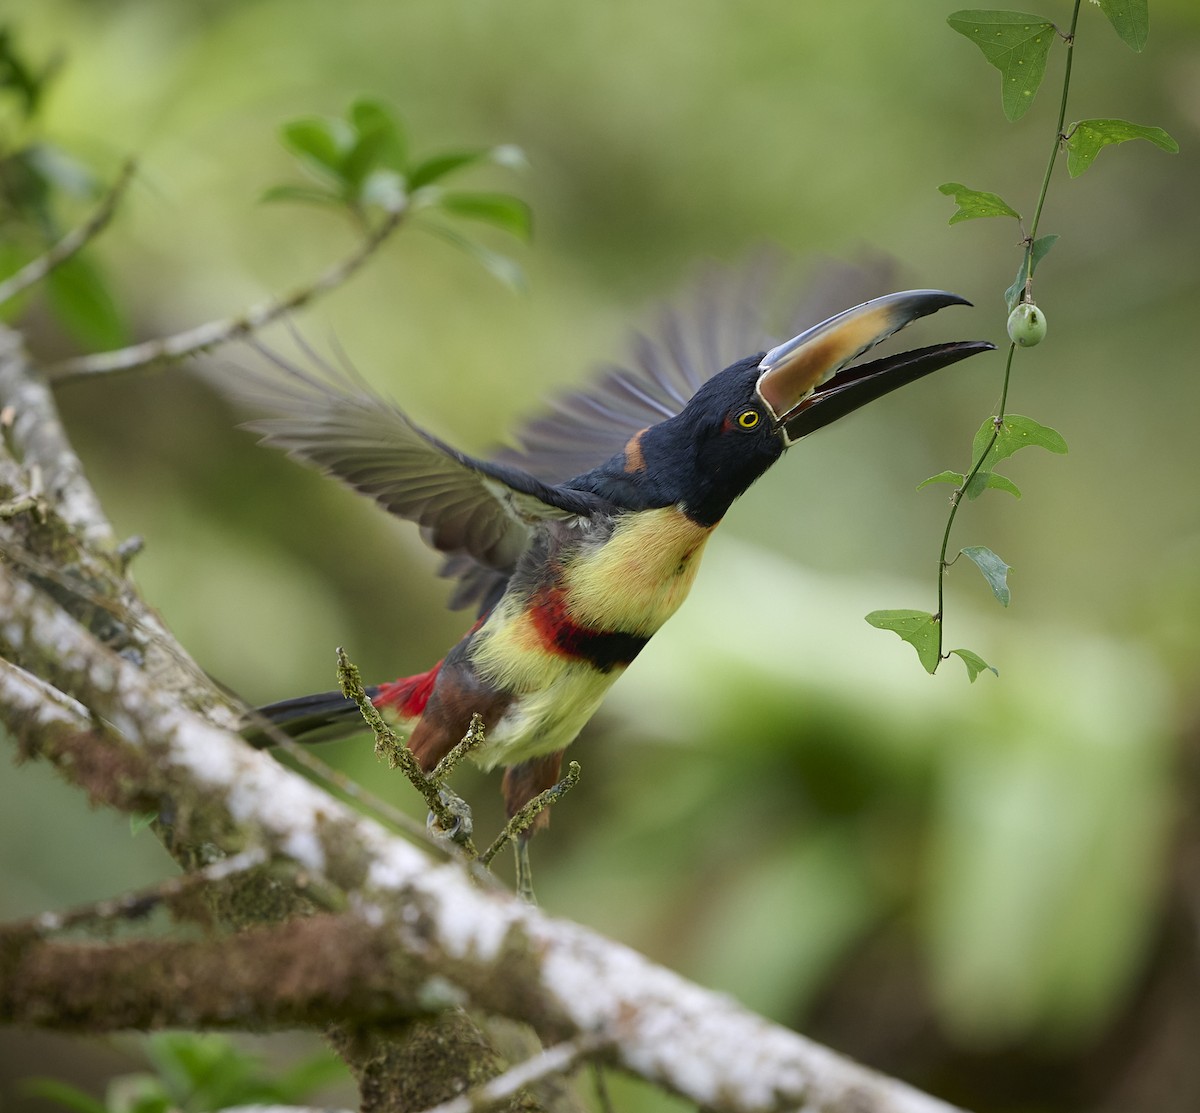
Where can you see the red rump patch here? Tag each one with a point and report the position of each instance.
(408, 696)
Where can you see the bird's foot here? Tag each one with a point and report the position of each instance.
(454, 822)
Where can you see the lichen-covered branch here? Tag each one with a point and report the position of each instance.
(310, 972)
(92, 682)
(505, 956)
(40, 444)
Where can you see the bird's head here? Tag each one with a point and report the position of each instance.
(744, 418)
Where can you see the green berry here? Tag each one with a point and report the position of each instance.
(1026, 325)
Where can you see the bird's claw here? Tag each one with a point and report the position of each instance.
(454, 823)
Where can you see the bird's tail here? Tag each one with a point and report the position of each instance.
(327, 716)
(322, 717)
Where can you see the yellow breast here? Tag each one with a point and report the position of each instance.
(636, 579)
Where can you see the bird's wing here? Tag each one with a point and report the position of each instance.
(475, 509)
(728, 313)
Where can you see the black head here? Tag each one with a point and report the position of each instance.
(722, 441)
(742, 420)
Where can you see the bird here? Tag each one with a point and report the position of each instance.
(577, 543)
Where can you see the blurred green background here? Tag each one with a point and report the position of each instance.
(990, 890)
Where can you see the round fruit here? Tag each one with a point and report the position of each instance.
(1026, 325)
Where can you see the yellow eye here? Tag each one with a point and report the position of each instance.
(748, 419)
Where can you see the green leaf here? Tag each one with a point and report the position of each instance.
(139, 821)
(81, 301)
(1015, 433)
(378, 143)
(16, 74)
(294, 1086)
(375, 119)
(1130, 19)
(309, 195)
(1017, 44)
(986, 480)
(143, 1093)
(980, 482)
(62, 1093)
(321, 142)
(432, 169)
(499, 209)
(507, 270)
(1037, 251)
(994, 570)
(439, 166)
(955, 477)
(974, 203)
(918, 628)
(975, 664)
(1087, 137)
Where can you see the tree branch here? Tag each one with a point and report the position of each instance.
(38, 440)
(309, 972)
(215, 333)
(507, 957)
(73, 242)
(554, 1061)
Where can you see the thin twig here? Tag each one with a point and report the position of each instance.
(214, 333)
(448, 809)
(472, 740)
(73, 242)
(525, 817)
(556, 1060)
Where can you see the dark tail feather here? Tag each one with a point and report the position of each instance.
(318, 718)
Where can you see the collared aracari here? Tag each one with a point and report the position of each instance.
(580, 543)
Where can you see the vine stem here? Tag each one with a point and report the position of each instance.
(998, 420)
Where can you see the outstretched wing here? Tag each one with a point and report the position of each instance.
(475, 509)
(479, 512)
(728, 313)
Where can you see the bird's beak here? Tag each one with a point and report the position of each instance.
(806, 383)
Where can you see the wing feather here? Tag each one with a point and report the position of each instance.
(728, 313)
(478, 509)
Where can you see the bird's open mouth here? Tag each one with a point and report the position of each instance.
(808, 382)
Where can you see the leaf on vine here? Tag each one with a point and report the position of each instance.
(1038, 250)
(973, 203)
(1015, 432)
(918, 628)
(975, 664)
(955, 477)
(988, 480)
(1087, 137)
(1130, 19)
(1017, 44)
(994, 570)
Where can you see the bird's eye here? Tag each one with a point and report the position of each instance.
(748, 419)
